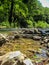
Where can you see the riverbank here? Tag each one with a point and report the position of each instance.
(29, 42)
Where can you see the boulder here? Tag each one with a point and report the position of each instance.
(15, 58)
(11, 55)
(2, 39)
(14, 32)
(17, 36)
(46, 39)
(36, 31)
(28, 31)
(30, 36)
(13, 37)
(41, 42)
(35, 37)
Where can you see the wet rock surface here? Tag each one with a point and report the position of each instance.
(37, 50)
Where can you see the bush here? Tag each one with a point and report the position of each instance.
(42, 24)
(30, 23)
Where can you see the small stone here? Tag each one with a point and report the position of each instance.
(27, 62)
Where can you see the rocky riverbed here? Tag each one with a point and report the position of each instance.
(30, 42)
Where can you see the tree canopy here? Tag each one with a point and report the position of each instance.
(23, 13)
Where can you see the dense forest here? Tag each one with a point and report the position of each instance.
(23, 13)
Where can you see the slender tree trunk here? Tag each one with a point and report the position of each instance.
(11, 12)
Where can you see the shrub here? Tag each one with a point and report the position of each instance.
(42, 24)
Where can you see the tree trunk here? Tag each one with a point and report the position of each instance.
(11, 12)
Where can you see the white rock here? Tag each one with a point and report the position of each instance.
(16, 54)
(27, 62)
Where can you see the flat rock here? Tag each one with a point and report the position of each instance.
(36, 37)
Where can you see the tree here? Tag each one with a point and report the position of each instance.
(23, 13)
(20, 13)
(11, 12)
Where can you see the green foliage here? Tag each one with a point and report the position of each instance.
(30, 24)
(23, 13)
(42, 24)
